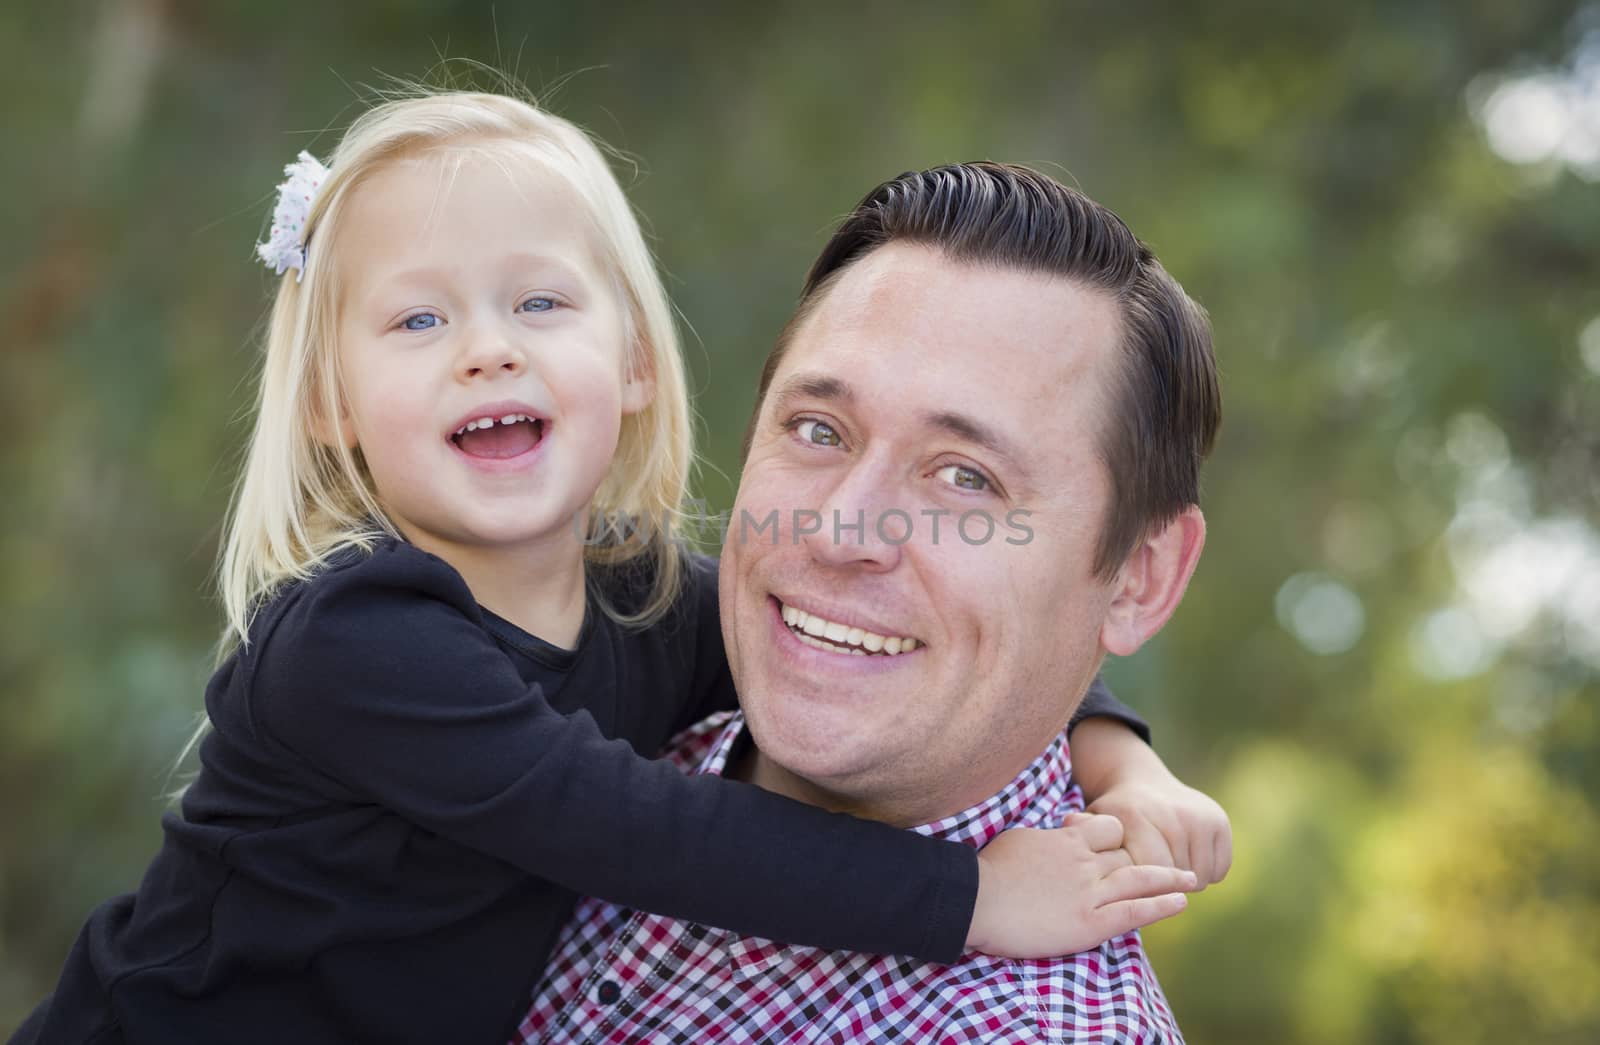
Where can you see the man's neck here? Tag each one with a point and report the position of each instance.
(908, 810)
(756, 768)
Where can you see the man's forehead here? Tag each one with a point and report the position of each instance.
(910, 289)
(970, 340)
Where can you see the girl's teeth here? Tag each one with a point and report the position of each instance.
(490, 422)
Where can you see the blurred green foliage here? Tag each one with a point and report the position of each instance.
(1386, 667)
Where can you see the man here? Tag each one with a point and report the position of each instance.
(972, 472)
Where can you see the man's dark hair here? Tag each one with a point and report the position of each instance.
(1164, 407)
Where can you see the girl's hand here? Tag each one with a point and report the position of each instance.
(1047, 893)
(1166, 822)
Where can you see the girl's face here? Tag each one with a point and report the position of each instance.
(482, 352)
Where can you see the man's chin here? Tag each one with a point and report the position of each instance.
(825, 751)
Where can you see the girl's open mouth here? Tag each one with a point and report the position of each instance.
(499, 438)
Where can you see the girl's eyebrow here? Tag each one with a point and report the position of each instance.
(416, 275)
(555, 264)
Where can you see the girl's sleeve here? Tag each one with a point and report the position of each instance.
(1100, 702)
(379, 677)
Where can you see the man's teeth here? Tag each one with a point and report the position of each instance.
(490, 422)
(841, 638)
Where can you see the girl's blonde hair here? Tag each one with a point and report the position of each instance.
(300, 500)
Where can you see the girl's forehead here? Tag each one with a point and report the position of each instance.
(464, 203)
(431, 183)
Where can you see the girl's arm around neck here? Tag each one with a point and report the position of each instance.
(382, 677)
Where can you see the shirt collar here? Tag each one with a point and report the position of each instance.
(1034, 798)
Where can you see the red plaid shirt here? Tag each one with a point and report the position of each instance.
(623, 976)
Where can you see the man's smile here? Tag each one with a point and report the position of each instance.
(834, 636)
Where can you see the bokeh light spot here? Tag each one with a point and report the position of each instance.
(1323, 614)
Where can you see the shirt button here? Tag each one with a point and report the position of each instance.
(609, 992)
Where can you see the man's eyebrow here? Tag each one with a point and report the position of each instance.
(971, 430)
(813, 386)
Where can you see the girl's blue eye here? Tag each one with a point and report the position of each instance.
(420, 321)
(537, 304)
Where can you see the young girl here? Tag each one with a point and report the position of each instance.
(436, 722)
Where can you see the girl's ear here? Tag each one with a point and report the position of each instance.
(336, 432)
(638, 380)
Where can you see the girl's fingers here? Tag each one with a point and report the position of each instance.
(1124, 916)
(1223, 849)
(1148, 846)
(1183, 854)
(1142, 881)
(1112, 860)
(1100, 831)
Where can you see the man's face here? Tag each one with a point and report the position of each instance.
(920, 386)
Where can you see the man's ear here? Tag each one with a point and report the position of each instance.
(1151, 583)
(638, 380)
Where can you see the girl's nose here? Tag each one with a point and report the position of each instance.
(488, 354)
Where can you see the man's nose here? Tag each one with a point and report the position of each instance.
(857, 523)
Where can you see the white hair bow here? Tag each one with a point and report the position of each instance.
(285, 247)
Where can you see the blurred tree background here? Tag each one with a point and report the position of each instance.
(1387, 665)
